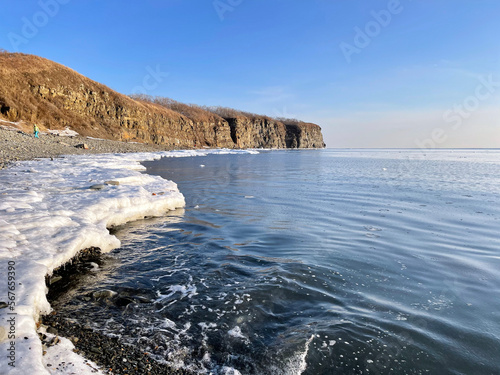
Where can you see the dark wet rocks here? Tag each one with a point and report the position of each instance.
(65, 277)
(55, 279)
(104, 185)
(108, 352)
(97, 187)
(121, 298)
(102, 294)
(52, 330)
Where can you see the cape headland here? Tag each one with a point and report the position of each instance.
(36, 90)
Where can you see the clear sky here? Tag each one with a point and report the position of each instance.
(377, 73)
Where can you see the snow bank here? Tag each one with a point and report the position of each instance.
(11, 125)
(67, 132)
(60, 359)
(49, 211)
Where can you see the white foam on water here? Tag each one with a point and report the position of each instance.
(296, 364)
(230, 371)
(169, 324)
(236, 332)
(185, 290)
(48, 213)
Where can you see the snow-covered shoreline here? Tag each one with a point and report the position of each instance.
(52, 209)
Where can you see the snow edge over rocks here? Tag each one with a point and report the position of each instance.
(52, 209)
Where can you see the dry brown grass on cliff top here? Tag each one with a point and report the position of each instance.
(30, 70)
(199, 113)
(295, 122)
(230, 113)
(23, 62)
(19, 73)
(23, 68)
(194, 112)
(191, 111)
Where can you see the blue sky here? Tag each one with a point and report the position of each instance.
(372, 73)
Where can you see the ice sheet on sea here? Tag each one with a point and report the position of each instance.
(48, 213)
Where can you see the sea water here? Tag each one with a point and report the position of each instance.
(312, 262)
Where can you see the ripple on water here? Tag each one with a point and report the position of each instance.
(348, 262)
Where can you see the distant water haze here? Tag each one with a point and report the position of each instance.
(412, 129)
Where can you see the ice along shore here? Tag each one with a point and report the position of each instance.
(49, 211)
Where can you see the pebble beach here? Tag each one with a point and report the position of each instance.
(18, 145)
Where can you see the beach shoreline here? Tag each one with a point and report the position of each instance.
(52, 209)
(18, 145)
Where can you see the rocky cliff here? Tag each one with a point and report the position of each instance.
(303, 135)
(36, 90)
(257, 132)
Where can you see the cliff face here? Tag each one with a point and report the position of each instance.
(99, 113)
(257, 132)
(304, 135)
(40, 91)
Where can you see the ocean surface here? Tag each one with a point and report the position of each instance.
(312, 262)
